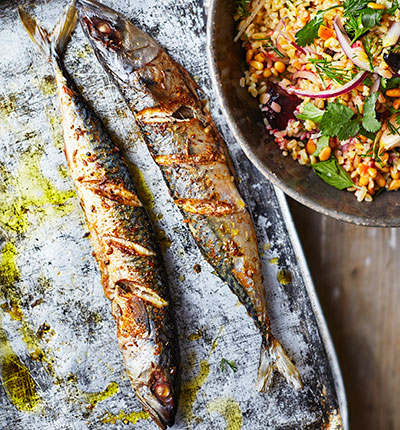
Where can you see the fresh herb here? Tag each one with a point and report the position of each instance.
(335, 118)
(333, 173)
(368, 51)
(387, 84)
(242, 8)
(311, 112)
(371, 17)
(354, 27)
(268, 44)
(353, 6)
(394, 8)
(392, 127)
(369, 121)
(360, 17)
(325, 67)
(231, 364)
(368, 81)
(322, 143)
(309, 32)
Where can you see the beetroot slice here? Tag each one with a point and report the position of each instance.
(287, 102)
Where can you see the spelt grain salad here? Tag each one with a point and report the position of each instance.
(327, 77)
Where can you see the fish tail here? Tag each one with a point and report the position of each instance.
(52, 45)
(272, 358)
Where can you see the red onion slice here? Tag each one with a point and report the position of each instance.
(392, 36)
(350, 52)
(327, 94)
(345, 42)
(376, 84)
(299, 48)
(303, 74)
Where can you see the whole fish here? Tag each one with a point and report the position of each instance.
(133, 275)
(194, 161)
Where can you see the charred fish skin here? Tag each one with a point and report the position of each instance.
(193, 158)
(133, 275)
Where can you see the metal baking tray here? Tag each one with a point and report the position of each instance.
(59, 360)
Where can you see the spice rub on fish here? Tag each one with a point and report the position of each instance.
(194, 161)
(133, 275)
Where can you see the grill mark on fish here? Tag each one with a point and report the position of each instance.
(113, 192)
(206, 207)
(128, 246)
(133, 275)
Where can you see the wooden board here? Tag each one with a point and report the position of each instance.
(356, 274)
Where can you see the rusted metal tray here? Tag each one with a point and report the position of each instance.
(59, 361)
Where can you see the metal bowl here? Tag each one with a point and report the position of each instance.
(244, 118)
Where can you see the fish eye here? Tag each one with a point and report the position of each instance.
(104, 27)
(162, 390)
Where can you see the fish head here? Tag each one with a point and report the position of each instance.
(159, 397)
(119, 45)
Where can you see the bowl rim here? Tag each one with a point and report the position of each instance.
(252, 155)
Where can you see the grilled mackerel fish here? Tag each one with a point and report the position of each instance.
(194, 161)
(133, 276)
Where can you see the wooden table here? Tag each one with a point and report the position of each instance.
(357, 277)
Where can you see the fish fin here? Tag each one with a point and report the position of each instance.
(272, 358)
(51, 45)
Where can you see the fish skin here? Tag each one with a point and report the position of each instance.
(194, 161)
(133, 275)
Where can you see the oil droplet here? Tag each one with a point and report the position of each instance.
(16, 379)
(132, 417)
(284, 277)
(9, 273)
(46, 85)
(30, 192)
(62, 171)
(13, 309)
(7, 106)
(195, 336)
(229, 408)
(191, 387)
(181, 278)
(267, 246)
(55, 127)
(274, 260)
(94, 398)
(83, 53)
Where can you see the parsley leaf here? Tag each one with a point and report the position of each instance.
(311, 112)
(369, 121)
(322, 143)
(335, 118)
(353, 6)
(231, 364)
(309, 32)
(349, 129)
(333, 173)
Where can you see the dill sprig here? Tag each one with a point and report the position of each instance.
(325, 67)
(393, 129)
(268, 44)
(373, 47)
